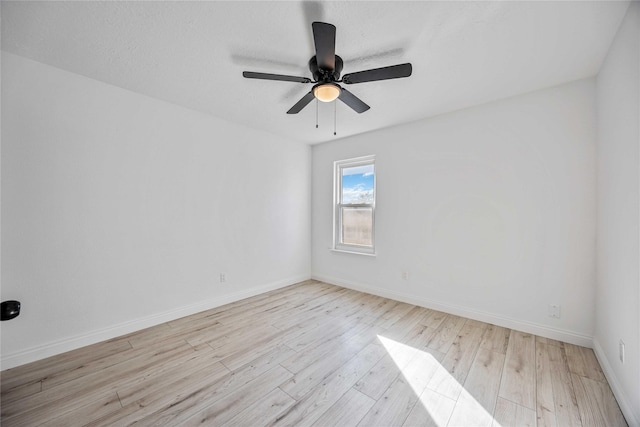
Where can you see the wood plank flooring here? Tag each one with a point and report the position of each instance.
(314, 354)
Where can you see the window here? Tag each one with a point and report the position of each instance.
(354, 203)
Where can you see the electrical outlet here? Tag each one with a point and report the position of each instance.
(223, 277)
(621, 351)
(405, 275)
(554, 311)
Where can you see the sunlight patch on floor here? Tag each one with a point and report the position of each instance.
(441, 396)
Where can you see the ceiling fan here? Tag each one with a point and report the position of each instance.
(325, 68)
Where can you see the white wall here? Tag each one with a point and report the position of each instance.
(618, 255)
(119, 211)
(491, 210)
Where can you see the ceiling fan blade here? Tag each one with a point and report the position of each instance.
(266, 76)
(301, 104)
(324, 36)
(384, 73)
(353, 101)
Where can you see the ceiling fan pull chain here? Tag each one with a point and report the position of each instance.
(316, 113)
(335, 114)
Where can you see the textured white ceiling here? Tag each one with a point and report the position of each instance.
(193, 53)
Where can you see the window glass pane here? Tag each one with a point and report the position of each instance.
(357, 184)
(357, 225)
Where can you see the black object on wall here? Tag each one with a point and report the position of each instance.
(9, 309)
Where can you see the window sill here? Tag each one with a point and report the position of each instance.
(343, 251)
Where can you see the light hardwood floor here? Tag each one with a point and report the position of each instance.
(314, 354)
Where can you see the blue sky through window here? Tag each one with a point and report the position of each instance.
(357, 184)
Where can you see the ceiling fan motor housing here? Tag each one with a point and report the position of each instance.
(326, 76)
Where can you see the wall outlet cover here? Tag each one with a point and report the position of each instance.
(554, 311)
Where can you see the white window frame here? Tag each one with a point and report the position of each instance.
(338, 166)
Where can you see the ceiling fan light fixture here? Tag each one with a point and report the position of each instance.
(326, 92)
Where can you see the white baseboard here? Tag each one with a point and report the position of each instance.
(507, 322)
(57, 347)
(633, 418)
